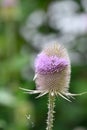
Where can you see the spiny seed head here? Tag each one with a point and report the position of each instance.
(52, 69)
(52, 73)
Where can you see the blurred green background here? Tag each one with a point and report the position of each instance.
(25, 27)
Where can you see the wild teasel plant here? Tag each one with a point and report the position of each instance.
(52, 77)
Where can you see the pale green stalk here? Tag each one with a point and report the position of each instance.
(51, 105)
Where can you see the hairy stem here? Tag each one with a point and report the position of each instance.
(51, 105)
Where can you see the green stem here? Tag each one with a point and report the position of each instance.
(51, 105)
(10, 38)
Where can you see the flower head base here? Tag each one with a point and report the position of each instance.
(52, 72)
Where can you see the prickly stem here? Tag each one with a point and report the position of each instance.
(51, 105)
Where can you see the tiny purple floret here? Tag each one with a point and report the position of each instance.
(49, 64)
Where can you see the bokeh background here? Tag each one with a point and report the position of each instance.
(25, 27)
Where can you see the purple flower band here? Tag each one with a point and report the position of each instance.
(49, 64)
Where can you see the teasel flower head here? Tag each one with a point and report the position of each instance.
(10, 10)
(52, 72)
(8, 3)
(52, 76)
